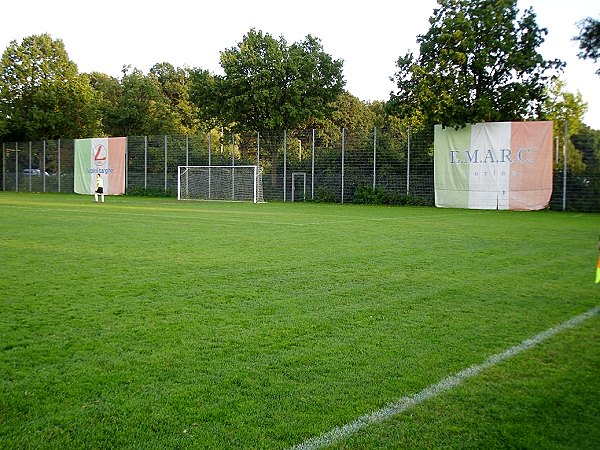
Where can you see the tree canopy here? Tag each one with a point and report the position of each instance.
(565, 107)
(140, 104)
(269, 84)
(174, 84)
(478, 62)
(42, 95)
(589, 40)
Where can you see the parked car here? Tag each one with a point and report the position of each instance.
(34, 173)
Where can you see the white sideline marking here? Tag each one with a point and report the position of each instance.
(405, 403)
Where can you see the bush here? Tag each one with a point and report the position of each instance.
(366, 195)
(150, 192)
(413, 200)
(323, 196)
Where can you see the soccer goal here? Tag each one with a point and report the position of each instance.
(228, 183)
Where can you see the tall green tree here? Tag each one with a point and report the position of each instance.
(174, 83)
(109, 91)
(347, 112)
(42, 95)
(582, 145)
(587, 141)
(478, 62)
(270, 85)
(584, 183)
(136, 105)
(589, 40)
(205, 94)
(568, 108)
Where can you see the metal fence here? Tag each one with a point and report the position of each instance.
(307, 165)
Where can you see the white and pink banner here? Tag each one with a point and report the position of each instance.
(105, 156)
(494, 165)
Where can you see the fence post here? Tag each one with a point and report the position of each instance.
(165, 163)
(232, 165)
(258, 149)
(284, 164)
(312, 168)
(187, 150)
(59, 169)
(564, 205)
(126, 164)
(145, 162)
(232, 148)
(16, 167)
(343, 144)
(3, 167)
(408, 162)
(30, 165)
(374, 157)
(43, 171)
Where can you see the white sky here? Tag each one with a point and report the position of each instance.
(368, 36)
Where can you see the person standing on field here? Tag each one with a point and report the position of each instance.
(99, 189)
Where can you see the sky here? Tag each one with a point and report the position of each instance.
(368, 36)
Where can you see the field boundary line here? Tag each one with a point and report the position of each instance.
(452, 381)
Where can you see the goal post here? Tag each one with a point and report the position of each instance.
(225, 183)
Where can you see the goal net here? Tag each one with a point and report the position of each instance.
(232, 183)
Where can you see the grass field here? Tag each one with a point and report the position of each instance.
(152, 324)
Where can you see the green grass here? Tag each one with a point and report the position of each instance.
(147, 323)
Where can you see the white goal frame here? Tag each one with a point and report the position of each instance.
(221, 183)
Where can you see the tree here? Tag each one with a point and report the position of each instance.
(347, 112)
(478, 62)
(174, 83)
(270, 85)
(583, 149)
(109, 91)
(587, 141)
(42, 95)
(563, 107)
(589, 40)
(205, 94)
(136, 105)
(584, 184)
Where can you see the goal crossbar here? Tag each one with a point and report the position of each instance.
(225, 183)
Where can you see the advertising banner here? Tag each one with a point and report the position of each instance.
(494, 165)
(105, 156)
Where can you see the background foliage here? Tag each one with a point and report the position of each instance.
(478, 61)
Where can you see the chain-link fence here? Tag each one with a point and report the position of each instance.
(375, 165)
